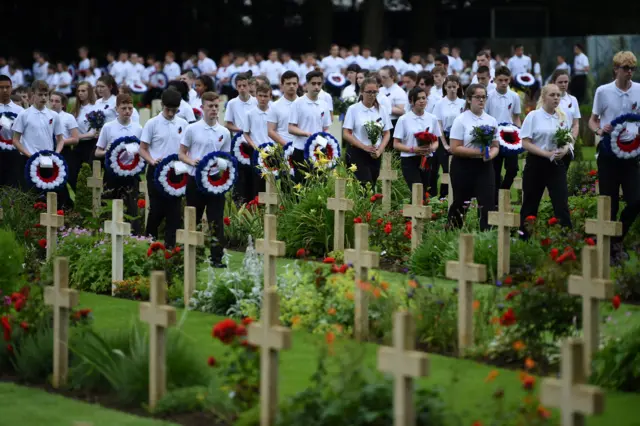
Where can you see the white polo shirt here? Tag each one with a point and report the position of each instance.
(207, 66)
(172, 70)
(367, 63)
(185, 111)
(163, 136)
(519, 64)
(382, 62)
(580, 62)
(81, 119)
(414, 67)
(446, 111)
(256, 125)
(503, 106)
(108, 107)
(7, 134)
(303, 70)
(436, 92)
(273, 71)
(540, 127)
(432, 101)
(464, 124)
(310, 116)
(68, 123)
(397, 97)
(40, 71)
(399, 65)
(610, 102)
(327, 99)
(114, 130)
(279, 113)
(237, 110)
(17, 78)
(38, 129)
(358, 114)
(348, 91)
(84, 64)
(569, 105)
(119, 71)
(410, 124)
(384, 101)
(63, 78)
(201, 139)
(330, 64)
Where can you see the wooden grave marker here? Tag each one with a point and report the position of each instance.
(504, 219)
(95, 183)
(270, 197)
(446, 180)
(603, 228)
(191, 239)
(387, 176)
(51, 220)
(156, 107)
(145, 115)
(118, 229)
(271, 249)
(418, 213)
(340, 205)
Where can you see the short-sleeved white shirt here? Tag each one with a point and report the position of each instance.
(237, 110)
(201, 139)
(502, 107)
(367, 63)
(327, 99)
(279, 113)
(397, 96)
(580, 62)
(384, 101)
(108, 107)
(256, 125)
(303, 70)
(414, 67)
(115, 130)
(446, 111)
(81, 119)
(63, 78)
(185, 111)
(540, 127)
(436, 92)
(432, 101)
(382, 62)
(310, 116)
(38, 129)
(119, 71)
(464, 124)
(610, 102)
(84, 64)
(348, 91)
(569, 105)
(399, 65)
(207, 66)
(7, 134)
(273, 71)
(163, 136)
(68, 123)
(410, 124)
(358, 114)
(519, 64)
(172, 70)
(330, 64)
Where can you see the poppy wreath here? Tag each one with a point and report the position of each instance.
(336, 79)
(241, 149)
(49, 179)
(138, 87)
(197, 112)
(525, 80)
(509, 138)
(115, 163)
(288, 157)
(621, 142)
(6, 122)
(322, 143)
(159, 80)
(167, 180)
(216, 173)
(266, 161)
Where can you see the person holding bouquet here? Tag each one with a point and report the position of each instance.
(416, 137)
(366, 129)
(88, 129)
(546, 136)
(568, 104)
(474, 144)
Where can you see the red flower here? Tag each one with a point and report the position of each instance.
(343, 268)
(301, 253)
(528, 382)
(177, 249)
(368, 215)
(43, 243)
(246, 321)
(508, 280)
(167, 255)
(40, 205)
(6, 326)
(37, 225)
(24, 325)
(60, 212)
(379, 221)
(508, 318)
(373, 199)
(227, 221)
(593, 172)
(540, 281)
(357, 220)
(434, 216)
(211, 362)
(590, 241)
(225, 330)
(19, 304)
(427, 195)
(142, 204)
(554, 253)
(530, 218)
(329, 260)
(241, 330)
(335, 269)
(512, 294)
(545, 242)
(615, 302)
(387, 228)
(10, 348)
(26, 233)
(569, 254)
(552, 221)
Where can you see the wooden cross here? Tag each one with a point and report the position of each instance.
(270, 248)
(95, 183)
(592, 289)
(387, 176)
(466, 272)
(418, 214)
(62, 299)
(570, 394)
(271, 337)
(191, 239)
(52, 221)
(603, 228)
(270, 197)
(118, 228)
(143, 188)
(504, 219)
(446, 180)
(1, 213)
(405, 363)
(517, 185)
(159, 317)
(362, 260)
(340, 205)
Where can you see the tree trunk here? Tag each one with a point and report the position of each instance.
(373, 24)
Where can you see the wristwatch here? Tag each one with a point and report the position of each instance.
(597, 130)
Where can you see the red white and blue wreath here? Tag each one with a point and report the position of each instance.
(241, 149)
(509, 138)
(624, 140)
(216, 173)
(288, 157)
(159, 80)
(47, 171)
(336, 79)
(123, 159)
(138, 87)
(322, 145)
(525, 80)
(6, 122)
(266, 160)
(168, 180)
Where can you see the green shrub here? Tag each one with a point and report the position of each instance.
(84, 195)
(627, 278)
(617, 365)
(11, 261)
(33, 360)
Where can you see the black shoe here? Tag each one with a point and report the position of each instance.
(218, 264)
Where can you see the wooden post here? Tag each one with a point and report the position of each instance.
(604, 228)
(517, 185)
(62, 299)
(570, 394)
(592, 289)
(159, 317)
(405, 364)
(418, 214)
(271, 337)
(143, 188)
(118, 228)
(339, 205)
(504, 219)
(191, 239)
(446, 179)
(362, 260)
(270, 197)
(387, 176)
(95, 183)
(145, 115)
(270, 248)
(156, 107)
(51, 220)
(466, 272)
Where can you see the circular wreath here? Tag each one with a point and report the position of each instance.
(6, 121)
(509, 138)
(621, 142)
(115, 160)
(525, 79)
(326, 144)
(138, 87)
(47, 179)
(159, 79)
(241, 149)
(167, 180)
(336, 79)
(288, 157)
(232, 80)
(216, 173)
(266, 160)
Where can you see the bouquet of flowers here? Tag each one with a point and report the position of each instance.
(424, 139)
(341, 106)
(562, 137)
(374, 130)
(96, 119)
(483, 136)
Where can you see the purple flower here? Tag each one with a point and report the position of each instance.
(7, 301)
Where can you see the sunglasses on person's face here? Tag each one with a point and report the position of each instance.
(371, 92)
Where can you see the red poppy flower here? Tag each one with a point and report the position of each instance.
(530, 218)
(177, 249)
(227, 221)
(387, 228)
(246, 321)
(43, 243)
(60, 212)
(329, 260)
(528, 382)
(241, 330)
(6, 327)
(142, 204)
(434, 216)
(589, 241)
(26, 233)
(545, 242)
(373, 199)
(24, 325)
(167, 255)
(225, 330)
(593, 172)
(615, 302)
(19, 304)
(379, 221)
(368, 216)
(211, 362)
(343, 268)
(540, 281)
(508, 318)
(10, 348)
(301, 253)
(512, 294)
(552, 221)
(508, 280)
(554, 253)
(357, 220)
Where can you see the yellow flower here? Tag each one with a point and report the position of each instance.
(297, 187)
(264, 155)
(323, 160)
(307, 175)
(295, 320)
(353, 168)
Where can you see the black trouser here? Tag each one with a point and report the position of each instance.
(69, 155)
(578, 87)
(540, 173)
(368, 168)
(150, 95)
(299, 164)
(85, 152)
(471, 177)
(162, 206)
(127, 189)
(439, 159)
(215, 216)
(615, 173)
(10, 170)
(413, 173)
(245, 188)
(511, 171)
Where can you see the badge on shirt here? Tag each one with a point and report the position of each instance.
(220, 139)
(461, 110)
(634, 106)
(106, 106)
(509, 107)
(322, 114)
(388, 94)
(570, 105)
(51, 121)
(179, 130)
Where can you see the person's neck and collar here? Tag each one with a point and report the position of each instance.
(124, 122)
(211, 123)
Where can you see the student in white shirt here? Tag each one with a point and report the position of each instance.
(519, 63)
(622, 96)
(106, 89)
(85, 103)
(443, 61)
(120, 69)
(58, 102)
(581, 70)
(84, 64)
(390, 89)
(457, 64)
(185, 111)
(366, 61)
(483, 76)
(171, 67)
(200, 139)
(206, 65)
(483, 59)
(203, 84)
(15, 74)
(409, 80)
(426, 82)
(288, 63)
(397, 62)
(544, 167)
(362, 151)
(439, 74)
(272, 69)
(472, 173)
(40, 66)
(190, 79)
(414, 63)
(568, 104)
(256, 130)
(384, 61)
(9, 159)
(333, 63)
(160, 138)
(278, 115)
(309, 115)
(350, 90)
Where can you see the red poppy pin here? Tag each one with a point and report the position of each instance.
(179, 130)
(220, 138)
(106, 106)
(509, 106)
(322, 114)
(51, 121)
(461, 110)
(634, 106)
(570, 105)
